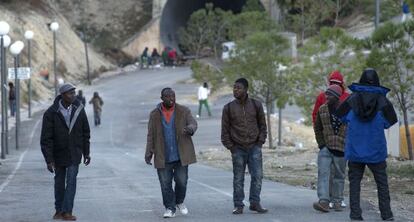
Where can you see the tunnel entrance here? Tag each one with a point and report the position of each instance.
(177, 12)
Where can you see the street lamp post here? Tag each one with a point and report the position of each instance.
(15, 49)
(28, 35)
(6, 42)
(54, 26)
(377, 13)
(4, 30)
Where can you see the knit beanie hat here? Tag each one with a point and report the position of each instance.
(334, 90)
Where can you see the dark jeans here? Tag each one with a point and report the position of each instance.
(200, 106)
(65, 193)
(97, 118)
(12, 105)
(355, 174)
(252, 157)
(171, 197)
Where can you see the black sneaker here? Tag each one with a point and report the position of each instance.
(258, 208)
(238, 210)
(388, 219)
(357, 218)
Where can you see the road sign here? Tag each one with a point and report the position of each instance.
(22, 73)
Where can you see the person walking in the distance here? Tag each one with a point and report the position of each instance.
(81, 98)
(169, 141)
(367, 112)
(203, 92)
(12, 99)
(97, 104)
(243, 132)
(64, 140)
(330, 136)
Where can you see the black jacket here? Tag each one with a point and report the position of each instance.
(62, 145)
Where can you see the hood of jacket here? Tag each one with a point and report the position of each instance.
(368, 97)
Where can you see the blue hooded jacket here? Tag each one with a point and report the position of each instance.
(367, 112)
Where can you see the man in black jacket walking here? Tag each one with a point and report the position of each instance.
(64, 140)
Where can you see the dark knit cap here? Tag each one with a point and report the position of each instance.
(334, 90)
(243, 81)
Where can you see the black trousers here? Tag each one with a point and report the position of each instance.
(355, 174)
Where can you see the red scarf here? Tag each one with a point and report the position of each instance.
(167, 112)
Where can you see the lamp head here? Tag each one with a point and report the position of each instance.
(16, 48)
(28, 35)
(6, 41)
(4, 28)
(54, 26)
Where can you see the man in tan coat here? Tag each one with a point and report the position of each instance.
(170, 128)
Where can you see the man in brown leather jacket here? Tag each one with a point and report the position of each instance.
(244, 132)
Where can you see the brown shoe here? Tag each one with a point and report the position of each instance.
(58, 216)
(68, 217)
(337, 207)
(258, 208)
(322, 206)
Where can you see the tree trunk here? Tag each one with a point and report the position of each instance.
(279, 140)
(269, 125)
(302, 38)
(407, 135)
(338, 8)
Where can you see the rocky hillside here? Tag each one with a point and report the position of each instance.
(34, 15)
(108, 23)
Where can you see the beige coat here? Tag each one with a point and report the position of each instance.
(155, 137)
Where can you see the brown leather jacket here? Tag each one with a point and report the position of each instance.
(155, 137)
(243, 124)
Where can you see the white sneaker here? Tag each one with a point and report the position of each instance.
(343, 205)
(169, 213)
(182, 208)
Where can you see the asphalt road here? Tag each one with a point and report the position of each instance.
(118, 186)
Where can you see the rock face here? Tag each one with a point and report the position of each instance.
(108, 23)
(35, 15)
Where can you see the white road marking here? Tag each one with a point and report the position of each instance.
(212, 188)
(215, 189)
(10, 177)
(111, 134)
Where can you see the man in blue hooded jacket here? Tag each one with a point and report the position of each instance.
(367, 112)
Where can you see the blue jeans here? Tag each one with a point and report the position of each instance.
(65, 195)
(171, 197)
(253, 158)
(325, 160)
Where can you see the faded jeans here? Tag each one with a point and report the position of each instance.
(171, 197)
(65, 193)
(325, 160)
(252, 157)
